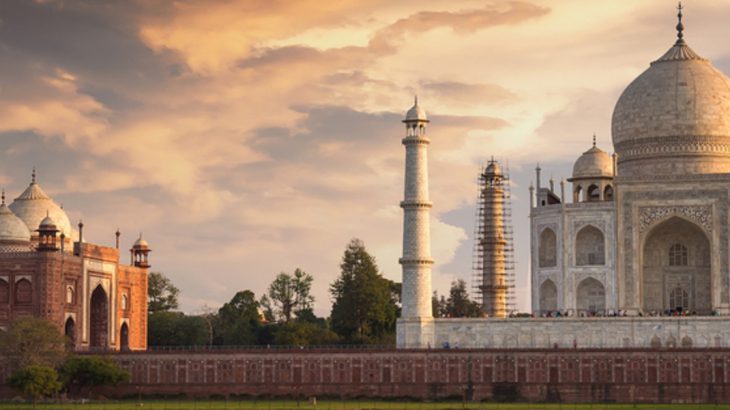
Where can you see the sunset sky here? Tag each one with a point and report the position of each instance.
(250, 137)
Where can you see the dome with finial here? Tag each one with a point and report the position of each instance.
(594, 163)
(47, 222)
(13, 231)
(33, 205)
(675, 117)
(140, 243)
(493, 168)
(416, 113)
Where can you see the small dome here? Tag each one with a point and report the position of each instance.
(47, 222)
(493, 168)
(594, 163)
(33, 205)
(141, 243)
(12, 228)
(416, 113)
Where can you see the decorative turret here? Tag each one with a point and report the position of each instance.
(140, 253)
(47, 231)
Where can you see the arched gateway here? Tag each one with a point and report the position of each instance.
(99, 318)
(676, 268)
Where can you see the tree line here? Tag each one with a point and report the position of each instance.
(364, 310)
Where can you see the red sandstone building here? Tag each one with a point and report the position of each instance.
(48, 271)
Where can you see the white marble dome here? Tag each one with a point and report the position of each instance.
(416, 113)
(33, 205)
(674, 118)
(12, 228)
(594, 163)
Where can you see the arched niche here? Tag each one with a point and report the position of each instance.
(590, 247)
(124, 337)
(593, 193)
(547, 249)
(4, 291)
(548, 296)
(99, 318)
(608, 193)
(591, 296)
(23, 291)
(70, 331)
(676, 271)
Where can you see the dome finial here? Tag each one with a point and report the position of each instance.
(680, 26)
(415, 100)
(32, 176)
(3, 196)
(594, 140)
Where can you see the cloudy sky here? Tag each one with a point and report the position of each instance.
(250, 137)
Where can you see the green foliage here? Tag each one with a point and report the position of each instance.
(161, 293)
(177, 329)
(86, 372)
(300, 332)
(31, 341)
(365, 306)
(438, 305)
(288, 295)
(238, 320)
(35, 381)
(458, 304)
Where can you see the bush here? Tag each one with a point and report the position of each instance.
(35, 381)
(80, 373)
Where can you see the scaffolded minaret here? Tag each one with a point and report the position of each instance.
(494, 252)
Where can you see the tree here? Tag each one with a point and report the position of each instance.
(87, 372)
(35, 381)
(438, 305)
(177, 329)
(161, 293)
(31, 341)
(458, 304)
(288, 295)
(238, 320)
(364, 308)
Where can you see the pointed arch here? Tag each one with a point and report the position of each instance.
(4, 291)
(593, 193)
(124, 337)
(608, 193)
(591, 296)
(23, 292)
(99, 318)
(656, 342)
(590, 246)
(70, 331)
(547, 249)
(676, 267)
(548, 296)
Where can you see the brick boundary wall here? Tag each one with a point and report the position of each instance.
(555, 375)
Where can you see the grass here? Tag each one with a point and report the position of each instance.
(342, 405)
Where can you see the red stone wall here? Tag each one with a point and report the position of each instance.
(648, 376)
(133, 282)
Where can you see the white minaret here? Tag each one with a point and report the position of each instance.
(415, 325)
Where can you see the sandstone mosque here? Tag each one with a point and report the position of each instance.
(47, 270)
(636, 253)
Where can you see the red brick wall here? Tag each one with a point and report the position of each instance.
(648, 376)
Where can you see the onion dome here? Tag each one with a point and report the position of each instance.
(675, 117)
(594, 163)
(33, 205)
(14, 234)
(416, 113)
(493, 168)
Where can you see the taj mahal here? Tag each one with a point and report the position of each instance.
(632, 250)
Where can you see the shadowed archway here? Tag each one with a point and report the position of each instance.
(676, 272)
(99, 318)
